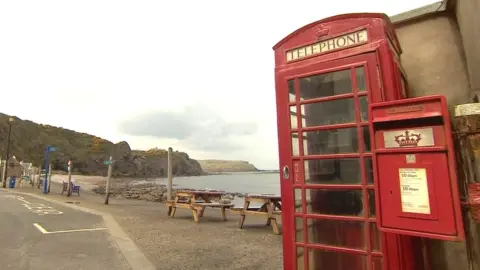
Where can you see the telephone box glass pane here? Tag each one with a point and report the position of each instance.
(377, 263)
(333, 260)
(363, 108)
(371, 203)
(375, 238)
(331, 141)
(300, 258)
(291, 91)
(331, 112)
(334, 202)
(298, 229)
(326, 85)
(341, 171)
(360, 75)
(298, 200)
(367, 147)
(349, 234)
(295, 144)
(369, 170)
(293, 117)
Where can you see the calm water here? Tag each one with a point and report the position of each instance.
(268, 183)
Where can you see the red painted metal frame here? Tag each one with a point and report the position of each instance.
(367, 61)
(379, 52)
(450, 153)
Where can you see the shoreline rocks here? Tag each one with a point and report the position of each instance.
(151, 192)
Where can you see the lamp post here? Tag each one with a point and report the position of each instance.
(10, 121)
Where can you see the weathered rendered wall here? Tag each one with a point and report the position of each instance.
(469, 25)
(433, 59)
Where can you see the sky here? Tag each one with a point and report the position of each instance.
(196, 76)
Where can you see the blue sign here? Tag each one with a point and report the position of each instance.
(51, 149)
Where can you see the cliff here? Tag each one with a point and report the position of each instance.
(88, 152)
(217, 166)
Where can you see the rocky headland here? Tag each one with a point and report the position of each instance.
(88, 152)
(226, 166)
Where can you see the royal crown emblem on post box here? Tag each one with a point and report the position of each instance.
(408, 139)
(417, 137)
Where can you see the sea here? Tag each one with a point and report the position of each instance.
(241, 182)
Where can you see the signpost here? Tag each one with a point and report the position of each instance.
(48, 150)
(169, 175)
(49, 176)
(108, 162)
(69, 191)
(109, 176)
(4, 171)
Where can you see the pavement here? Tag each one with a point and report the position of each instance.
(149, 239)
(36, 234)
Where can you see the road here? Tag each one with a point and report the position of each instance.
(37, 235)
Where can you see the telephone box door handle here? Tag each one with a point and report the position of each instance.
(286, 172)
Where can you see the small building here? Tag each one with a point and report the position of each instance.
(15, 168)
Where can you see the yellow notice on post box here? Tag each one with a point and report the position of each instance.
(414, 190)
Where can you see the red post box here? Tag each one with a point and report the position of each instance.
(414, 164)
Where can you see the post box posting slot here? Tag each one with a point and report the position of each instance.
(414, 168)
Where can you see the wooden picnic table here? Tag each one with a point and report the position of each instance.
(197, 201)
(270, 209)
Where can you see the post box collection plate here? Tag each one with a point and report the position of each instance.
(414, 163)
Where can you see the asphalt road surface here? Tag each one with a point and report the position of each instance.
(37, 235)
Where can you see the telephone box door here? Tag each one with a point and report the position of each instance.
(326, 162)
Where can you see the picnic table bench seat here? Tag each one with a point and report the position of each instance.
(214, 204)
(197, 201)
(238, 210)
(252, 211)
(270, 209)
(171, 202)
(201, 207)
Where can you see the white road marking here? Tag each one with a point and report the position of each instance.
(41, 209)
(20, 198)
(44, 231)
(40, 228)
(37, 208)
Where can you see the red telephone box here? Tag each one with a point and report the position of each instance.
(414, 164)
(326, 74)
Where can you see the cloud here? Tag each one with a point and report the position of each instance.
(196, 127)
